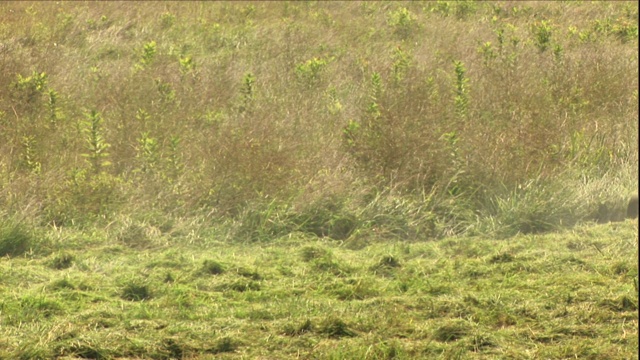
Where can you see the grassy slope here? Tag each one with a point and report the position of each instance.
(556, 296)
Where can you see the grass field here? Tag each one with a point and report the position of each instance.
(318, 180)
(566, 295)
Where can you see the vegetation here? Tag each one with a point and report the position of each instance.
(318, 179)
(568, 294)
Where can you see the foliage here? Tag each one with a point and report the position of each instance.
(403, 22)
(271, 121)
(309, 71)
(30, 88)
(96, 144)
(147, 55)
(461, 99)
(542, 32)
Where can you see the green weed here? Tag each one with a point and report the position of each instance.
(96, 145)
(30, 160)
(542, 32)
(309, 71)
(403, 22)
(31, 88)
(147, 55)
(461, 99)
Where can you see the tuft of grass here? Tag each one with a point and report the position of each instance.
(223, 345)
(134, 236)
(310, 253)
(622, 304)
(327, 217)
(173, 349)
(534, 207)
(135, 291)
(354, 289)
(16, 238)
(241, 286)
(388, 261)
(62, 261)
(329, 265)
(501, 258)
(212, 267)
(249, 274)
(335, 328)
(299, 329)
(84, 349)
(452, 331)
(62, 284)
(386, 265)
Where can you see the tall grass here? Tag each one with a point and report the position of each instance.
(462, 114)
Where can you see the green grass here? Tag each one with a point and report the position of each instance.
(555, 296)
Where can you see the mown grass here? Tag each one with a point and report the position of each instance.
(561, 295)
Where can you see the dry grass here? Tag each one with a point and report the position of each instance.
(186, 130)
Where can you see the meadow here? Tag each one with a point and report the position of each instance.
(330, 180)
